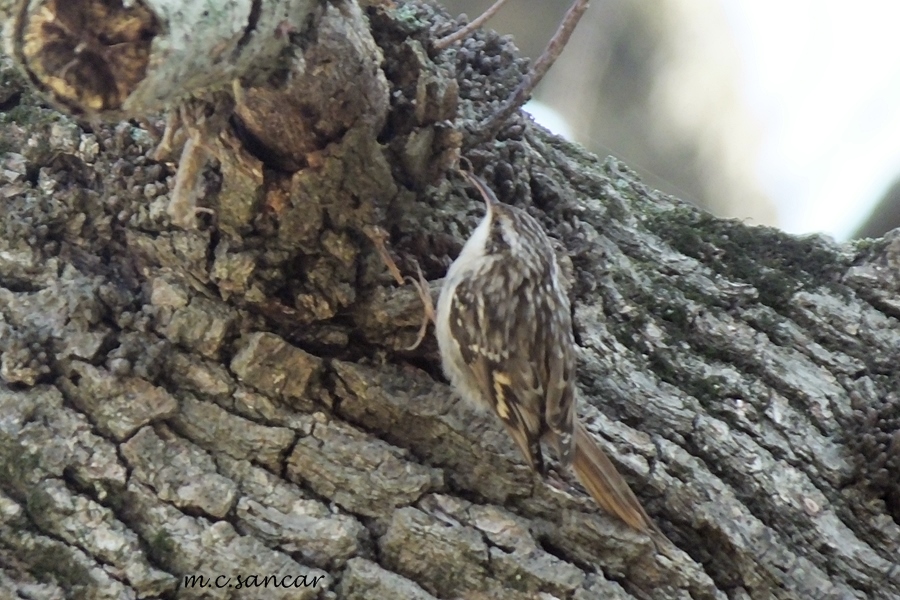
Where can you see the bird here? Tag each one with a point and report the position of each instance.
(504, 330)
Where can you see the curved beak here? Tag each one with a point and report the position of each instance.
(489, 198)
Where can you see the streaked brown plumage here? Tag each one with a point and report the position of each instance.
(504, 329)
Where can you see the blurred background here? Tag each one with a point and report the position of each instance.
(778, 113)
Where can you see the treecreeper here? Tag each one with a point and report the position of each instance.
(504, 329)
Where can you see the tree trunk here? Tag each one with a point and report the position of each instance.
(234, 398)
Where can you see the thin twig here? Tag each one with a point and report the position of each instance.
(468, 29)
(491, 126)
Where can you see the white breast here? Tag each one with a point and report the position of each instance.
(470, 259)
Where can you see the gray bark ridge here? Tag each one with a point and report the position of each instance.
(235, 400)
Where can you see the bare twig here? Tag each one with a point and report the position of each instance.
(492, 125)
(468, 29)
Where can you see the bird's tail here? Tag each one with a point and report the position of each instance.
(610, 491)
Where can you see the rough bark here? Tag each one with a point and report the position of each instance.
(236, 399)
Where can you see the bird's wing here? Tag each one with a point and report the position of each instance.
(527, 381)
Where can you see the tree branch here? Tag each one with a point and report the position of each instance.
(236, 398)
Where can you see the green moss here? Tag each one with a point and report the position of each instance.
(40, 505)
(53, 562)
(162, 546)
(16, 465)
(775, 263)
(29, 116)
(406, 16)
(868, 247)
